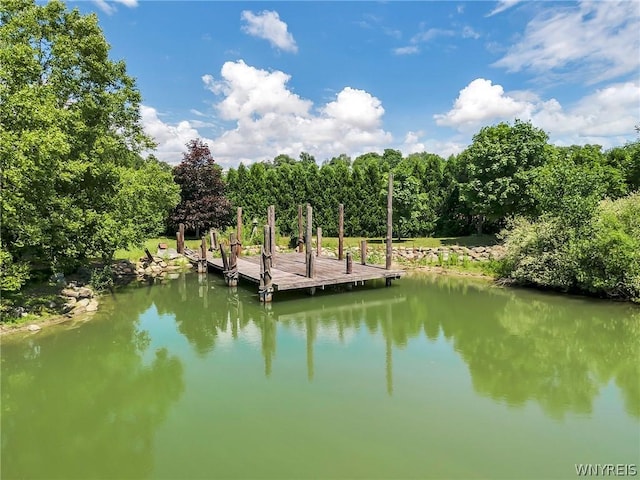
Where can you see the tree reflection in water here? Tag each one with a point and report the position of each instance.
(519, 346)
(109, 390)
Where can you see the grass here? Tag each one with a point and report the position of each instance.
(135, 253)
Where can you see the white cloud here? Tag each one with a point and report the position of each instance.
(171, 139)
(251, 91)
(468, 32)
(430, 34)
(605, 116)
(109, 7)
(268, 25)
(270, 119)
(478, 103)
(502, 6)
(593, 41)
(408, 50)
(413, 143)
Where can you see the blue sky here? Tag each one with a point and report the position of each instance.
(256, 79)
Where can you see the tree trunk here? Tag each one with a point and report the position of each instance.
(479, 224)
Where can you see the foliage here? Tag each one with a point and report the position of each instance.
(73, 182)
(12, 275)
(499, 166)
(203, 204)
(102, 278)
(597, 254)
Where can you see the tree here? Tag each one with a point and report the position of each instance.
(203, 204)
(499, 165)
(70, 136)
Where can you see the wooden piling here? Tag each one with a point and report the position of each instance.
(265, 291)
(232, 273)
(389, 222)
(181, 241)
(213, 239)
(308, 247)
(178, 241)
(225, 261)
(271, 220)
(239, 230)
(318, 242)
(300, 232)
(340, 231)
(349, 263)
(363, 252)
(149, 256)
(202, 262)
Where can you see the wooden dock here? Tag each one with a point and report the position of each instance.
(277, 272)
(289, 271)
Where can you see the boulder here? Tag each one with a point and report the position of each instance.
(92, 306)
(83, 302)
(70, 292)
(34, 328)
(85, 292)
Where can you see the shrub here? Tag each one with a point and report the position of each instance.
(600, 256)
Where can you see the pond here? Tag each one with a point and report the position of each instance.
(433, 377)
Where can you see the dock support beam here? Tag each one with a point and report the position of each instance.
(180, 246)
(318, 242)
(213, 239)
(239, 231)
(232, 273)
(300, 230)
(202, 261)
(265, 291)
(271, 220)
(340, 231)
(310, 263)
(363, 252)
(349, 263)
(389, 222)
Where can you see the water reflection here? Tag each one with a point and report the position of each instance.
(109, 389)
(519, 346)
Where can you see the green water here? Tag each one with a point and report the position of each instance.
(431, 378)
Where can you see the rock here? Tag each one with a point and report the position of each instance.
(34, 328)
(78, 310)
(92, 306)
(173, 268)
(188, 265)
(83, 303)
(173, 276)
(70, 292)
(162, 264)
(85, 292)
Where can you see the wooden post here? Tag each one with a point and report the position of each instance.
(340, 231)
(271, 217)
(178, 241)
(202, 261)
(149, 256)
(349, 263)
(232, 274)
(363, 252)
(389, 222)
(225, 261)
(300, 232)
(181, 242)
(265, 292)
(309, 254)
(319, 242)
(239, 231)
(213, 240)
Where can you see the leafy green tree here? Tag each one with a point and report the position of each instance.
(203, 203)
(70, 137)
(499, 168)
